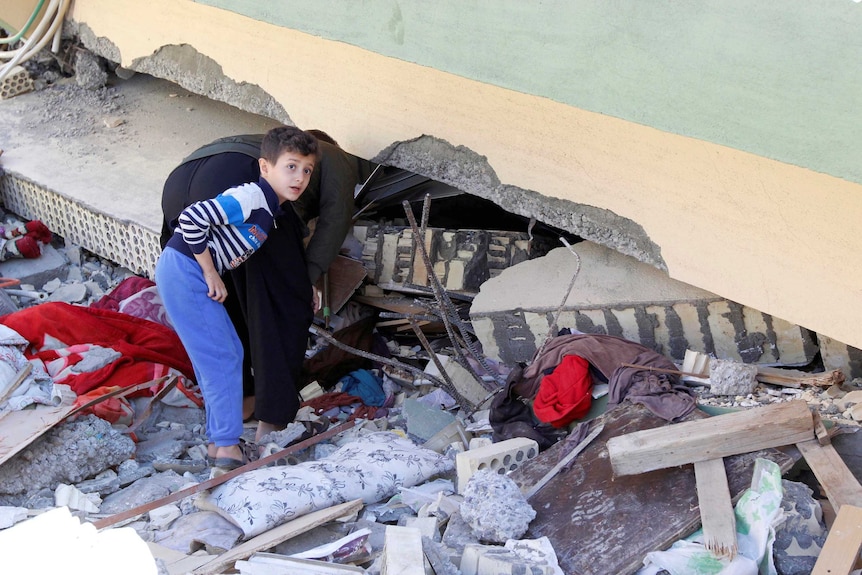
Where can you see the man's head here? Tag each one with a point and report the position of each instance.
(323, 136)
(288, 156)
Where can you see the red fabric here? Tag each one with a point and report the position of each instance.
(327, 401)
(113, 409)
(38, 231)
(148, 349)
(28, 247)
(564, 394)
(127, 288)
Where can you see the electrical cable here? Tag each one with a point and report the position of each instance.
(38, 32)
(54, 14)
(23, 30)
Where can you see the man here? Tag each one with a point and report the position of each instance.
(265, 300)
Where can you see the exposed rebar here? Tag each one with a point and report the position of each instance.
(450, 385)
(448, 313)
(373, 356)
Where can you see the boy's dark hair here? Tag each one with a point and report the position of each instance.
(288, 139)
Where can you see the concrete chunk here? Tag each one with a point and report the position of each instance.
(37, 271)
(495, 508)
(68, 453)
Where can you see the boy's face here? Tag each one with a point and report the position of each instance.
(289, 175)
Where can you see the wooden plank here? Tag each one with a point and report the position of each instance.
(841, 550)
(796, 378)
(16, 383)
(730, 434)
(716, 509)
(270, 563)
(835, 477)
(402, 305)
(600, 524)
(178, 563)
(820, 431)
(275, 536)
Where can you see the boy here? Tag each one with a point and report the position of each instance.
(216, 235)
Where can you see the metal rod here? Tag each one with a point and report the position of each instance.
(450, 385)
(448, 309)
(373, 356)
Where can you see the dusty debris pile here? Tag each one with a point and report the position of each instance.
(413, 451)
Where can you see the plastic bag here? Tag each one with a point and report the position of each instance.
(758, 513)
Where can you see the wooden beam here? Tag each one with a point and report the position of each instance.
(273, 537)
(796, 378)
(176, 562)
(841, 550)
(712, 438)
(837, 480)
(716, 509)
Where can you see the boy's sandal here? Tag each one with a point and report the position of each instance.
(229, 463)
(249, 454)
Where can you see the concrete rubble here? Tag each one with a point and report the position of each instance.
(97, 471)
(144, 476)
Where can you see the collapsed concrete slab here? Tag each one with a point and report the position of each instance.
(617, 295)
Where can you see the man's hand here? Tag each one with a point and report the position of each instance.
(316, 299)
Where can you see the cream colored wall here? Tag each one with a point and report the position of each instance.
(772, 236)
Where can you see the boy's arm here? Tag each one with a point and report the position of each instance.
(216, 288)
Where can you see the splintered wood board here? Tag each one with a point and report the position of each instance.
(599, 524)
(840, 552)
(716, 508)
(18, 429)
(839, 483)
(712, 438)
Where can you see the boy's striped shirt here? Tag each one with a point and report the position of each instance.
(232, 225)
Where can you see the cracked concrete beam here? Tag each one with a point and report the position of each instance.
(470, 172)
(196, 72)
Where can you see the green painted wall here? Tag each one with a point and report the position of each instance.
(779, 78)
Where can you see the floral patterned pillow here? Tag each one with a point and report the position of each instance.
(372, 468)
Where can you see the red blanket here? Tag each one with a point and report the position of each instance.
(147, 349)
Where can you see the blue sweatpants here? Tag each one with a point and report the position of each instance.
(210, 340)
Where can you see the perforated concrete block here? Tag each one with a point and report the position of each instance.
(17, 82)
(501, 457)
(131, 245)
